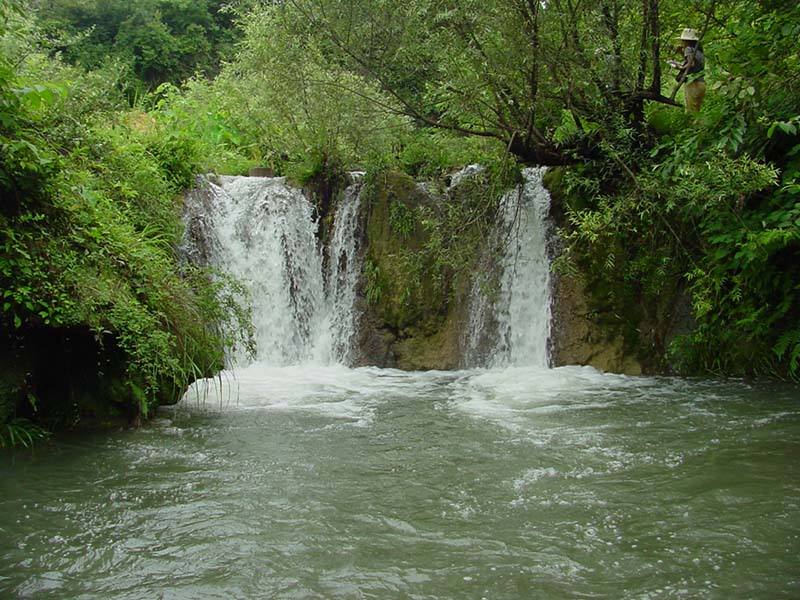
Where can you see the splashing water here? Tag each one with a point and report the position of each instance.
(344, 267)
(264, 233)
(523, 310)
(517, 317)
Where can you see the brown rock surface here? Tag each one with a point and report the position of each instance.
(577, 338)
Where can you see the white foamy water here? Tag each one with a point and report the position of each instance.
(518, 314)
(334, 391)
(513, 397)
(344, 269)
(263, 232)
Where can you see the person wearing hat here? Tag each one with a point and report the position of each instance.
(691, 69)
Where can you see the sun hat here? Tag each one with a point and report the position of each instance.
(689, 35)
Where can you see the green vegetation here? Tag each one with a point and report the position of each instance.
(157, 41)
(709, 205)
(21, 432)
(108, 109)
(89, 227)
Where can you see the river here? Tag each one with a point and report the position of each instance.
(337, 483)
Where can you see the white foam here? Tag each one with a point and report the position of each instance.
(513, 396)
(264, 233)
(517, 317)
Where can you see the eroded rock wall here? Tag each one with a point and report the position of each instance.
(629, 336)
(412, 309)
(413, 314)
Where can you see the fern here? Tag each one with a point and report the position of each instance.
(788, 348)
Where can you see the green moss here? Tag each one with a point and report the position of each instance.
(404, 284)
(421, 252)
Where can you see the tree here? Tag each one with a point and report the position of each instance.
(506, 69)
(162, 40)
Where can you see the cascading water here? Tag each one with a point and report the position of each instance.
(518, 310)
(344, 268)
(263, 232)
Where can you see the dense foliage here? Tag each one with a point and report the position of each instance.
(107, 109)
(711, 204)
(158, 40)
(89, 226)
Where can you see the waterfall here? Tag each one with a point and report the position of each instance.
(510, 310)
(344, 268)
(263, 232)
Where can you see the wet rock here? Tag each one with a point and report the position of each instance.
(631, 337)
(412, 310)
(261, 172)
(577, 338)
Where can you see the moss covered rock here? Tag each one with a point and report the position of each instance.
(603, 321)
(413, 302)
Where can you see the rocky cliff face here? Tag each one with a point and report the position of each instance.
(628, 337)
(578, 338)
(412, 308)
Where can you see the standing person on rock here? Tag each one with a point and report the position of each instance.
(691, 69)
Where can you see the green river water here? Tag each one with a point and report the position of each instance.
(336, 483)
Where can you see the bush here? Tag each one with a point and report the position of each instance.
(88, 229)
